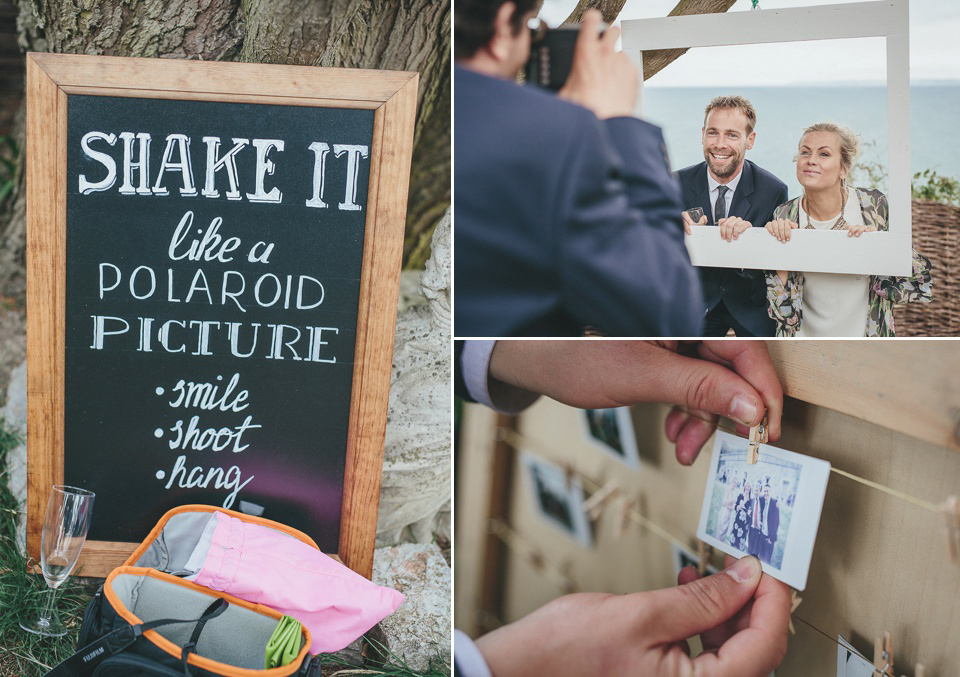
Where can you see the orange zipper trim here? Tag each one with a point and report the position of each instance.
(175, 651)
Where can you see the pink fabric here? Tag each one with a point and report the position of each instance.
(261, 565)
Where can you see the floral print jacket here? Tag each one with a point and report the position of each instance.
(785, 299)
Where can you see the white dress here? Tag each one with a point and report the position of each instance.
(835, 304)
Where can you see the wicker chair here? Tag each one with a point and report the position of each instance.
(936, 235)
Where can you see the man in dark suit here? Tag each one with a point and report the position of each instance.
(755, 538)
(770, 521)
(566, 214)
(735, 194)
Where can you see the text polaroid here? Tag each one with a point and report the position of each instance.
(682, 557)
(612, 431)
(769, 509)
(850, 662)
(558, 497)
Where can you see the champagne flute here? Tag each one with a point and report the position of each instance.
(65, 527)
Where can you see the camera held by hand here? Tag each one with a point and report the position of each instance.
(551, 55)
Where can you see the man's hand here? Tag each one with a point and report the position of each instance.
(780, 228)
(601, 79)
(735, 379)
(732, 226)
(688, 222)
(740, 614)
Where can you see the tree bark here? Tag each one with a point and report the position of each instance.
(411, 35)
(610, 9)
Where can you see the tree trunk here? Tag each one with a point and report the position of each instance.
(407, 35)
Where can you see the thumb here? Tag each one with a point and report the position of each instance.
(709, 387)
(705, 603)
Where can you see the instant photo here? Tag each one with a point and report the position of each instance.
(850, 662)
(612, 431)
(769, 509)
(682, 557)
(558, 497)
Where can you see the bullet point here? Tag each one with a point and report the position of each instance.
(161, 474)
(158, 433)
(159, 390)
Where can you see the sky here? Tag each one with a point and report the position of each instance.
(934, 49)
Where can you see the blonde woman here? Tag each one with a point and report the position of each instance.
(830, 304)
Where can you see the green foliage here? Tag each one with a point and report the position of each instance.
(928, 185)
(8, 166)
(870, 172)
(21, 653)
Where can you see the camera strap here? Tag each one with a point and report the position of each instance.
(86, 659)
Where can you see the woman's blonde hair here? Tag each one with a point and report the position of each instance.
(849, 145)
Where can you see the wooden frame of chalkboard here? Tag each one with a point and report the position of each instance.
(52, 81)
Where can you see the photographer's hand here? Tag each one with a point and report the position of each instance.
(601, 79)
(735, 379)
(740, 614)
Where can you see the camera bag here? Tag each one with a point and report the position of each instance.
(148, 621)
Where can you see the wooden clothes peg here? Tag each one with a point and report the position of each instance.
(704, 553)
(951, 513)
(758, 436)
(594, 505)
(624, 520)
(795, 600)
(883, 656)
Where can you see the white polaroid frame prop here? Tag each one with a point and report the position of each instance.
(807, 506)
(886, 253)
(628, 438)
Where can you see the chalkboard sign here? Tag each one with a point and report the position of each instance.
(213, 252)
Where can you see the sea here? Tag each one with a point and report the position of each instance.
(783, 112)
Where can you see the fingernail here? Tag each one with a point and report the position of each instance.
(743, 409)
(744, 569)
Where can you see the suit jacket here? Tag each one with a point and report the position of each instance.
(744, 292)
(773, 518)
(563, 220)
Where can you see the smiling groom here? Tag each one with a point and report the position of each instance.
(735, 194)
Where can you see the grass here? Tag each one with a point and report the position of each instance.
(21, 653)
(8, 165)
(390, 665)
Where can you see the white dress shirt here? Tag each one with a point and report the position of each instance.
(713, 185)
(475, 363)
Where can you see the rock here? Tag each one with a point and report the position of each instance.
(15, 415)
(420, 629)
(415, 490)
